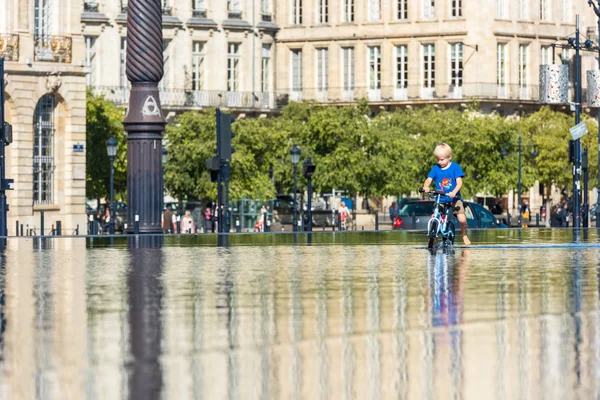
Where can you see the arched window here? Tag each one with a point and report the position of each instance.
(43, 151)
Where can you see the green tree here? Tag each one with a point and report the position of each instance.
(104, 120)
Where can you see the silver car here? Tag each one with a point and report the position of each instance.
(415, 215)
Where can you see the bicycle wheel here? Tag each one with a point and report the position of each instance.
(451, 231)
(432, 243)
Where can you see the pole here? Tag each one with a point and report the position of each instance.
(519, 182)
(295, 223)
(3, 207)
(112, 197)
(584, 167)
(577, 163)
(309, 206)
(219, 181)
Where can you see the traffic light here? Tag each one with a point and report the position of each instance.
(8, 138)
(213, 165)
(308, 168)
(225, 135)
(572, 151)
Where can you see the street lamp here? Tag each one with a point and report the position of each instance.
(534, 154)
(597, 11)
(295, 154)
(165, 153)
(111, 150)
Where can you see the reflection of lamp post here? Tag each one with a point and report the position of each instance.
(111, 150)
(295, 153)
(164, 161)
(519, 150)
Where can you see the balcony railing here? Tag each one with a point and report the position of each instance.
(199, 13)
(124, 6)
(197, 98)
(267, 18)
(9, 47)
(53, 48)
(167, 11)
(90, 6)
(234, 14)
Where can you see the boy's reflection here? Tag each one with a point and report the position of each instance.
(446, 286)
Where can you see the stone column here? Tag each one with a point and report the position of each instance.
(144, 121)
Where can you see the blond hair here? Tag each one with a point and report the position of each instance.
(442, 150)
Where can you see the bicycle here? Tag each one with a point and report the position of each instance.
(439, 224)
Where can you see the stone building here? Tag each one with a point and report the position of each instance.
(45, 77)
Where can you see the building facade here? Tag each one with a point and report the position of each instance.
(45, 78)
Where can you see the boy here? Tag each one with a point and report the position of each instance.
(448, 177)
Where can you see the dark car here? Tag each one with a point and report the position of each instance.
(415, 215)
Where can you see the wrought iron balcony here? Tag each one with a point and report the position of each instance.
(199, 13)
(53, 48)
(167, 11)
(90, 6)
(234, 14)
(9, 47)
(267, 18)
(124, 6)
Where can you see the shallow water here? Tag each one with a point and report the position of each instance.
(516, 316)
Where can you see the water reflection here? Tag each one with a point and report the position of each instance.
(297, 322)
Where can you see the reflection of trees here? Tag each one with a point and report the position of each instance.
(373, 345)
(400, 293)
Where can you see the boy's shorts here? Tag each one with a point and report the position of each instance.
(461, 207)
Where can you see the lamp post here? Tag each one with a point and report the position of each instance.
(597, 11)
(308, 169)
(111, 150)
(295, 154)
(519, 152)
(165, 153)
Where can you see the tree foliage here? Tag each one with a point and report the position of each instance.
(104, 120)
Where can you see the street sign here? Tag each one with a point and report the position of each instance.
(578, 130)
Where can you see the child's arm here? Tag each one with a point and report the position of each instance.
(452, 194)
(427, 184)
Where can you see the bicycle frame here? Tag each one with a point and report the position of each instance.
(439, 223)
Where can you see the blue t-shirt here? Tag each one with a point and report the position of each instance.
(445, 179)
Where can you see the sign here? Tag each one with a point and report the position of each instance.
(78, 148)
(578, 130)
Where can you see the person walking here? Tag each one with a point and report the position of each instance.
(345, 216)
(557, 217)
(207, 219)
(187, 223)
(525, 214)
(167, 222)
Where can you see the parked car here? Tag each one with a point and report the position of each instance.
(477, 216)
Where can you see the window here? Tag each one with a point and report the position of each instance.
(90, 59)
(265, 7)
(501, 9)
(322, 70)
(43, 151)
(198, 56)
(374, 72)
(198, 9)
(164, 82)
(266, 65)
(401, 72)
(348, 68)
(296, 74)
(523, 59)
(428, 71)
(41, 30)
(374, 10)
(233, 5)
(233, 67)
(402, 9)
(545, 10)
(566, 10)
(322, 11)
(123, 69)
(546, 55)
(523, 14)
(296, 12)
(456, 8)
(166, 7)
(428, 9)
(348, 11)
(456, 65)
(501, 69)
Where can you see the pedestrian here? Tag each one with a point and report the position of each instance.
(557, 217)
(394, 212)
(525, 214)
(565, 214)
(448, 177)
(345, 216)
(207, 219)
(106, 219)
(187, 223)
(167, 224)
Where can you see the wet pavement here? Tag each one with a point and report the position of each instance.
(353, 316)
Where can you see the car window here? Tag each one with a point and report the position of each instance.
(486, 217)
(425, 208)
(469, 213)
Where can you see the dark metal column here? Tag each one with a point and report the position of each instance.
(577, 163)
(144, 121)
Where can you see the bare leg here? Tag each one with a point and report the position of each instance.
(462, 219)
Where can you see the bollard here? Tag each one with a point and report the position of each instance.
(17, 229)
(77, 230)
(376, 221)
(238, 227)
(508, 219)
(58, 228)
(136, 229)
(52, 232)
(339, 222)
(21, 230)
(537, 220)
(363, 227)
(265, 222)
(42, 223)
(268, 225)
(178, 225)
(414, 221)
